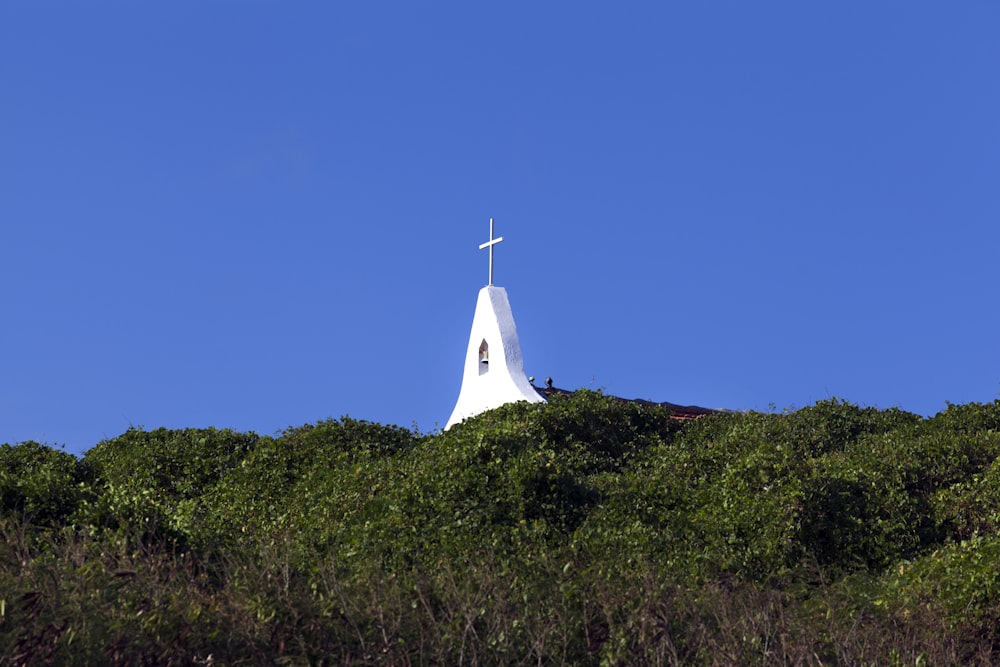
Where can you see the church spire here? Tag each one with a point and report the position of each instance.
(494, 370)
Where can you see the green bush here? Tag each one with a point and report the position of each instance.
(156, 480)
(42, 484)
(586, 530)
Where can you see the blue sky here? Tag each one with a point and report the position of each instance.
(259, 214)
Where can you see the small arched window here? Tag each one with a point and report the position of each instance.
(484, 357)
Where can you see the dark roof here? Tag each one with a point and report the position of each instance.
(676, 411)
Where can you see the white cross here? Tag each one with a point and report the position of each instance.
(489, 244)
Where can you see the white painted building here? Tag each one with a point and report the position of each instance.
(494, 370)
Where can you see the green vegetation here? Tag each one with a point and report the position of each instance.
(583, 531)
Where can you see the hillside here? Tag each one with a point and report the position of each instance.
(582, 531)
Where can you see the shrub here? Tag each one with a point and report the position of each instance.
(43, 484)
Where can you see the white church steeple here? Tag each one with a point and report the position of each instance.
(494, 371)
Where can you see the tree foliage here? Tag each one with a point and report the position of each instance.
(587, 530)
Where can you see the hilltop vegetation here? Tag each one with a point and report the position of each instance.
(582, 531)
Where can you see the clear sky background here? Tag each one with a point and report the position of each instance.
(262, 214)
